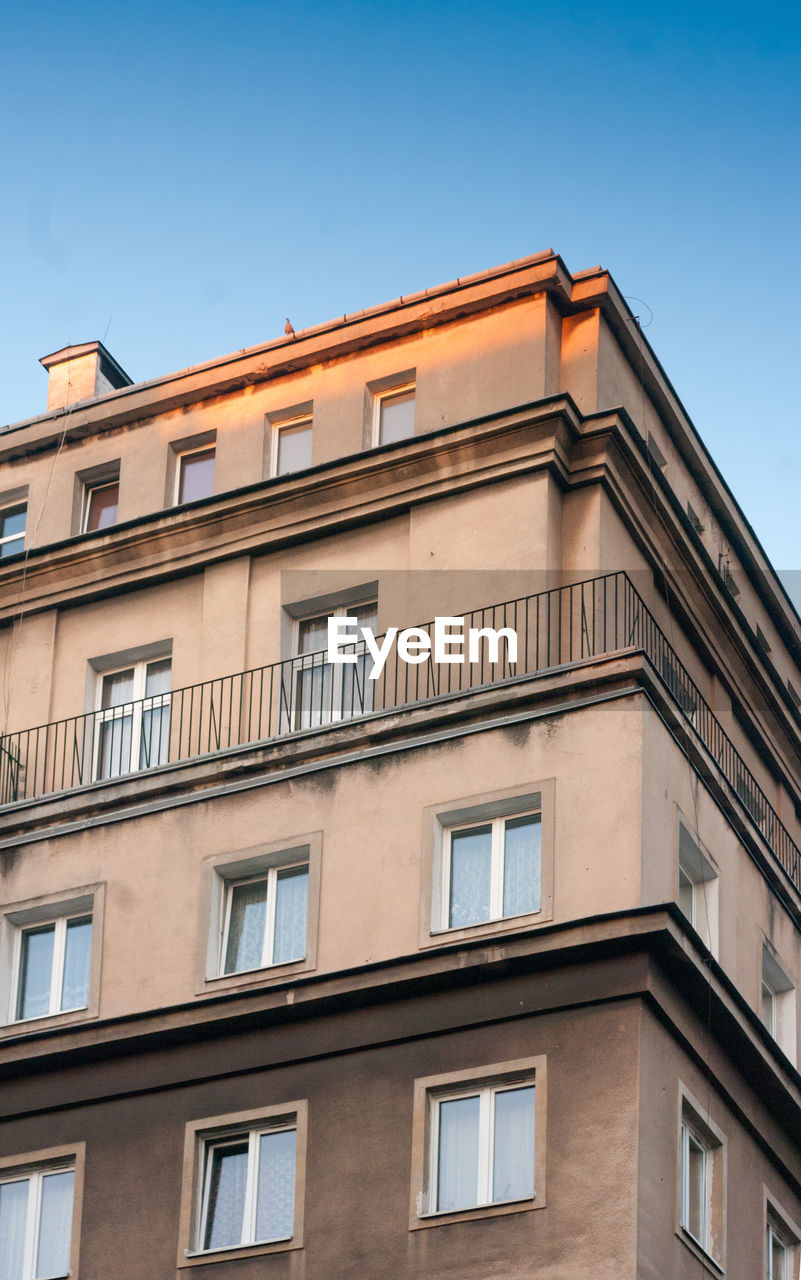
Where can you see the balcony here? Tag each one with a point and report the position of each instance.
(557, 629)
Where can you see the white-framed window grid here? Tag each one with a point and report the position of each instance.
(107, 512)
(272, 878)
(61, 928)
(244, 1202)
(487, 1158)
(186, 459)
(322, 692)
(38, 1232)
(12, 529)
(399, 399)
(131, 726)
(497, 828)
(780, 1255)
(298, 430)
(695, 1185)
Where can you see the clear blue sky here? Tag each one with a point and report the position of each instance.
(177, 178)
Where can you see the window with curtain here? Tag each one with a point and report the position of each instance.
(52, 967)
(248, 1188)
(36, 1224)
(482, 1147)
(492, 870)
(325, 692)
(265, 918)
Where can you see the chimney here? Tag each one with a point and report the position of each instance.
(81, 372)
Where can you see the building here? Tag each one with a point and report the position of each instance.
(470, 970)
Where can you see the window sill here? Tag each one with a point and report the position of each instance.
(487, 928)
(713, 1267)
(45, 1021)
(440, 1217)
(195, 1257)
(254, 977)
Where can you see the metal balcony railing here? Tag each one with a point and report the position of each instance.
(556, 628)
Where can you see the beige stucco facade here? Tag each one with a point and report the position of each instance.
(551, 483)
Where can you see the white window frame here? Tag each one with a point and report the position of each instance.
(35, 1179)
(779, 1019)
(485, 1170)
(285, 424)
(270, 875)
(13, 510)
(207, 1146)
(180, 457)
(696, 1127)
(387, 393)
(93, 487)
(695, 865)
(136, 707)
(497, 859)
(301, 665)
(57, 965)
(779, 1229)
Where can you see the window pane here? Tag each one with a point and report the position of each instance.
(114, 755)
(117, 688)
(291, 904)
(158, 677)
(686, 894)
(778, 1258)
(75, 988)
(471, 858)
(457, 1175)
(196, 476)
(294, 449)
(228, 1175)
(357, 689)
(13, 522)
(101, 510)
(36, 967)
(246, 927)
(521, 865)
(12, 547)
(695, 1181)
(513, 1148)
(55, 1226)
(767, 1006)
(275, 1194)
(396, 417)
(154, 748)
(13, 1212)
(313, 635)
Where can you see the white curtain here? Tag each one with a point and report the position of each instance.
(513, 1154)
(228, 1173)
(291, 906)
(75, 989)
(471, 862)
(13, 1210)
(457, 1172)
(246, 927)
(275, 1200)
(521, 866)
(55, 1225)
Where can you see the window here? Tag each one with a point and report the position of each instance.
(36, 1222)
(52, 967)
(50, 958)
(781, 1243)
(697, 893)
(247, 1176)
(702, 1179)
(394, 414)
(262, 908)
(492, 870)
(12, 531)
(488, 860)
(132, 722)
(291, 446)
(265, 919)
(777, 1003)
(323, 692)
(195, 474)
(478, 1141)
(100, 505)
